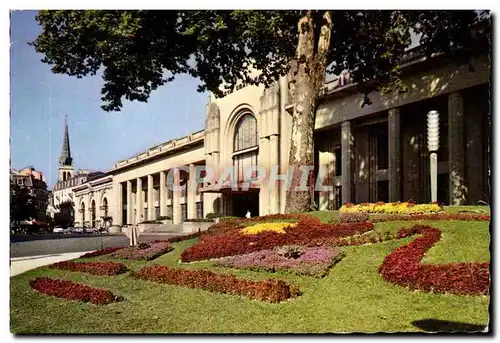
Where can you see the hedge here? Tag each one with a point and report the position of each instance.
(402, 267)
(96, 268)
(266, 290)
(101, 252)
(148, 253)
(73, 291)
(433, 216)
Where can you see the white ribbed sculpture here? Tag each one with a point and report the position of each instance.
(433, 145)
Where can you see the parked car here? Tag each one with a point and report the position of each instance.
(58, 229)
(79, 230)
(69, 230)
(91, 230)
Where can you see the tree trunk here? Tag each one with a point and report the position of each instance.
(307, 75)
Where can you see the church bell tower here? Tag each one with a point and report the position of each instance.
(66, 169)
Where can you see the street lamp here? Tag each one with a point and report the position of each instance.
(433, 146)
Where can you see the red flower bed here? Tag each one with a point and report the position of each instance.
(403, 267)
(430, 216)
(73, 291)
(148, 253)
(96, 268)
(308, 231)
(266, 290)
(101, 252)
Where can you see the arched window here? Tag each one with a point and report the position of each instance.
(245, 150)
(246, 133)
(105, 206)
(92, 210)
(82, 209)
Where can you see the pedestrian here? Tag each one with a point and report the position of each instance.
(248, 215)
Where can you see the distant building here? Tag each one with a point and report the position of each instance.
(62, 200)
(34, 181)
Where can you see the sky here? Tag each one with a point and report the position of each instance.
(98, 139)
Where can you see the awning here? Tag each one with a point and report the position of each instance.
(227, 187)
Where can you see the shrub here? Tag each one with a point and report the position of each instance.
(73, 291)
(213, 215)
(408, 207)
(432, 216)
(199, 220)
(150, 253)
(403, 267)
(164, 218)
(313, 261)
(151, 222)
(96, 268)
(143, 245)
(309, 231)
(101, 252)
(266, 290)
(289, 251)
(348, 217)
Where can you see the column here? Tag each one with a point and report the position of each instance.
(151, 200)
(163, 207)
(130, 210)
(274, 193)
(117, 219)
(457, 189)
(346, 147)
(176, 201)
(394, 128)
(263, 160)
(139, 201)
(191, 193)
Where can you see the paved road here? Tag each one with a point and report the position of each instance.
(50, 244)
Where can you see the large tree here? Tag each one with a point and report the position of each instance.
(139, 51)
(22, 205)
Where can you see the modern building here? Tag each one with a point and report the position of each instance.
(375, 152)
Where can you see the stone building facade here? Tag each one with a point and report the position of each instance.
(375, 152)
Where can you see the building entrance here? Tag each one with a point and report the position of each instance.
(243, 202)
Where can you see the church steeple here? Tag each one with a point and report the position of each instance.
(66, 170)
(65, 159)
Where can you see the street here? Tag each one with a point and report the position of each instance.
(33, 245)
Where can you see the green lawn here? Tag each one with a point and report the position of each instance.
(352, 298)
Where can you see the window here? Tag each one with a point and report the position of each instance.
(382, 152)
(338, 161)
(170, 193)
(246, 135)
(242, 164)
(170, 211)
(200, 183)
(183, 212)
(157, 211)
(199, 209)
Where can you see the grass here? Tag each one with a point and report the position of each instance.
(352, 298)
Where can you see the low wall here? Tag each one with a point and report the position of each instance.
(192, 227)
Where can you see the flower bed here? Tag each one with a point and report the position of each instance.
(312, 261)
(408, 207)
(73, 291)
(278, 227)
(266, 290)
(96, 268)
(403, 267)
(234, 223)
(433, 216)
(309, 231)
(143, 252)
(101, 252)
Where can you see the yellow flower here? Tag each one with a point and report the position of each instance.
(261, 227)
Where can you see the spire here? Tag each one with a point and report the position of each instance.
(65, 159)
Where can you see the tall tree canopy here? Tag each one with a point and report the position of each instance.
(142, 50)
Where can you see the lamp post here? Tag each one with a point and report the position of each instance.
(433, 146)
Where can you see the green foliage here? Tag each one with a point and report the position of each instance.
(142, 50)
(21, 204)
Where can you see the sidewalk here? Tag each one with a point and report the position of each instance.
(20, 265)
